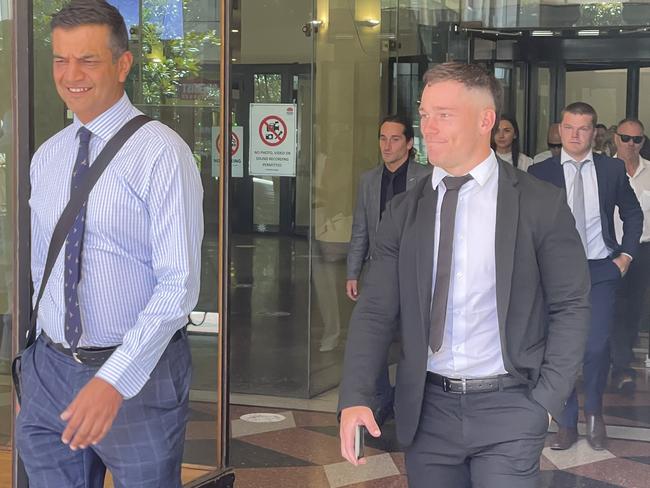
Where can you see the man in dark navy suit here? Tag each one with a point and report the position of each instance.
(594, 184)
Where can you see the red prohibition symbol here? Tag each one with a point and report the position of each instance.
(234, 144)
(273, 130)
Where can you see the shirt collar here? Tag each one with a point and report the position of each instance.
(400, 170)
(565, 158)
(108, 123)
(481, 172)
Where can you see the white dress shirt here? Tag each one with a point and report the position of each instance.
(471, 345)
(543, 156)
(640, 183)
(523, 161)
(596, 248)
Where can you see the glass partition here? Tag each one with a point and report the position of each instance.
(175, 79)
(556, 13)
(7, 199)
(605, 90)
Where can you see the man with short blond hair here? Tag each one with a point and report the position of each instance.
(465, 266)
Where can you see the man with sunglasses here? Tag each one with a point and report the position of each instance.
(631, 304)
(553, 142)
(595, 184)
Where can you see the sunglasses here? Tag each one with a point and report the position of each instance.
(554, 146)
(626, 138)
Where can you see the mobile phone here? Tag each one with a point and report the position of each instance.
(359, 441)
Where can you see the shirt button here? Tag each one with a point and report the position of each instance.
(459, 275)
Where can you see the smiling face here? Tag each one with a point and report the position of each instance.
(456, 123)
(86, 76)
(504, 136)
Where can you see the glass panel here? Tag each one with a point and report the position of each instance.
(605, 90)
(267, 88)
(7, 197)
(175, 79)
(644, 99)
(269, 297)
(543, 107)
(556, 13)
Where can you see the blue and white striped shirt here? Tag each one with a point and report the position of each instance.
(141, 256)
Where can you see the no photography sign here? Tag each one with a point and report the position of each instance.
(273, 139)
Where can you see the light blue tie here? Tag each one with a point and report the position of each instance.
(579, 203)
(73, 246)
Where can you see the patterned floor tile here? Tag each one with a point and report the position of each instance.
(241, 428)
(304, 444)
(305, 477)
(376, 467)
(245, 455)
(618, 472)
(581, 453)
(399, 481)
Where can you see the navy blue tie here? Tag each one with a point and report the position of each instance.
(73, 245)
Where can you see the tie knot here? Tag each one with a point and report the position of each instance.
(84, 135)
(455, 182)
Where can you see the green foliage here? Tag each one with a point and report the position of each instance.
(604, 14)
(166, 63)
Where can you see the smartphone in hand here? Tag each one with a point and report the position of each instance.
(359, 441)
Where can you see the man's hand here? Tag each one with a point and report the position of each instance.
(350, 418)
(91, 414)
(623, 262)
(351, 289)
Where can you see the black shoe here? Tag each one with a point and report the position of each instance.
(596, 432)
(564, 439)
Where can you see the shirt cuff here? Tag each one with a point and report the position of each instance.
(629, 256)
(123, 373)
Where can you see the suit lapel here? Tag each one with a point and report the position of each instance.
(557, 174)
(601, 181)
(425, 232)
(375, 195)
(507, 220)
(411, 174)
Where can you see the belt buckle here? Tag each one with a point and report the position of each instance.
(75, 356)
(446, 384)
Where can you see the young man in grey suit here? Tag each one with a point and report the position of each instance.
(398, 173)
(467, 264)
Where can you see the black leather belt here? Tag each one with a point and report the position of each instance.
(463, 386)
(94, 356)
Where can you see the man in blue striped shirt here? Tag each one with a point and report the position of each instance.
(139, 278)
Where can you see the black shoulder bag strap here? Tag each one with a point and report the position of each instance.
(70, 213)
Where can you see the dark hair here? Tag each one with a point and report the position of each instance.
(632, 120)
(472, 76)
(601, 126)
(581, 108)
(515, 149)
(405, 122)
(94, 12)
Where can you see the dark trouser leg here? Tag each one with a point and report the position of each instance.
(605, 278)
(596, 363)
(631, 310)
(144, 448)
(49, 381)
(486, 440)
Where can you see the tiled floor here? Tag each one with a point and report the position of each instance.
(302, 451)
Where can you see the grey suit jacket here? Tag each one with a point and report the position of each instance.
(366, 213)
(540, 266)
